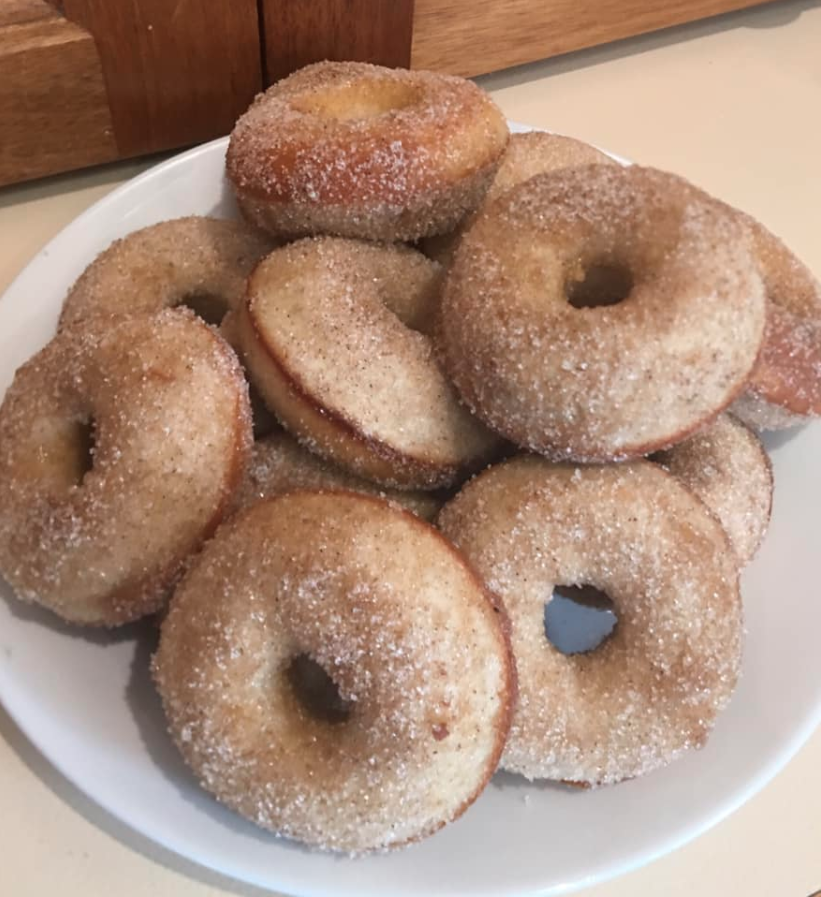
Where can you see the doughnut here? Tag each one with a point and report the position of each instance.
(527, 154)
(653, 688)
(601, 313)
(331, 337)
(785, 387)
(727, 468)
(279, 464)
(199, 262)
(119, 455)
(414, 656)
(357, 150)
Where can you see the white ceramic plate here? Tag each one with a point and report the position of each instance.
(86, 700)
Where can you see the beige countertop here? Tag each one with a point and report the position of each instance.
(732, 104)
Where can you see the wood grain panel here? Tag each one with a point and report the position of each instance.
(472, 38)
(177, 71)
(297, 32)
(53, 106)
(15, 12)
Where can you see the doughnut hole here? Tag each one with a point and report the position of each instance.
(316, 691)
(207, 306)
(598, 284)
(80, 453)
(59, 453)
(579, 619)
(363, 100)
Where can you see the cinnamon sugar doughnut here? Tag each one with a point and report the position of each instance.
(196, 261)
(785, 387)
(729, 470)
(401, 626)
(653, 688)
(279, 464)
(99, 536)
(358, 150)
(537, 362)
(527, 154)
(326, 335)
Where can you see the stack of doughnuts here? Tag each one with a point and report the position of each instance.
(485, 368)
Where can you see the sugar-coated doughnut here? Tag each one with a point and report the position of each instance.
(600, 313)
(280, 464)
(199, 261)
(331, 336)
(785, 387)
(729, 470)
(653, 688)
(527, 154)
(119, 455)
(358, 150)
(399, 623)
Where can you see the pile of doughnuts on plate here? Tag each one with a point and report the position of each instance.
(482, 368)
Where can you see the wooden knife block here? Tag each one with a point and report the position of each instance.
(90, 81)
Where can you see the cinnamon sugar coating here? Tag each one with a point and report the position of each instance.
(279, 464)
(334, 335)
(167, 408)
(729, 470)
(618, 380)
(785, 387)
(166, 265)
(653, 689)
(358, 150)
(527, 154)
(397, 620)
